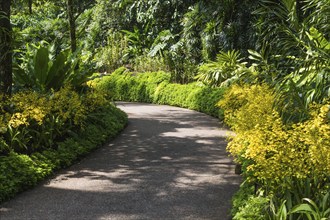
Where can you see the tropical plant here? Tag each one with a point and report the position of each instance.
(158, 15)
(182, 69)
(163, 42)
(138, 40)
(313, 210)
(298, 36)
(278, 214)
(114, 54)
(307, 209)
(192, 27)
(41, 69)
(227, 69)
(145, 63)
(212, 26)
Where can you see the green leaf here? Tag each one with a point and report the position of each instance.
(61, 76)
(319, 38)
(56, 68)
(41, 61)
(313, 204)
(254, 55)
(302, 208)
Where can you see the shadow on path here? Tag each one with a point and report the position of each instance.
(169, 163)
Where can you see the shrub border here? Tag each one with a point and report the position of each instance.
(155, 87)
(20, 172)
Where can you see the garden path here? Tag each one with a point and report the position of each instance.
(169, 163)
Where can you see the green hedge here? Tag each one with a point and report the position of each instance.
(19, 171)
(155, 87)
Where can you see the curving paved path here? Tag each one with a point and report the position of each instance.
(169, 163)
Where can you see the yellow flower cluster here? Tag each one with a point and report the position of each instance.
(30, 120)
(244, 105)
(29, 106)
(316, 135)
(95, 99)
(68, 105)
(270, 150)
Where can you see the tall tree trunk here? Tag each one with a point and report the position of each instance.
(6, 78)
(30, 6)
(72, 25)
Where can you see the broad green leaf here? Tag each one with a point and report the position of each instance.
(325, 201)
(56, 69)
(61, 76)
(41, 61)
(302, 208)
(157, 48)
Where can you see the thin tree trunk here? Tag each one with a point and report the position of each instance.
(72, 25)
(30, 6)
(6, 78)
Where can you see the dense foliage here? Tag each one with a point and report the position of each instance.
(288, 162)
(42, 69)
(180, 33)
(41, 133)
(272, 150)
(272, 56)
(155, 87)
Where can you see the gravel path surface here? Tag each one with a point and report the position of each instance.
(169, 163)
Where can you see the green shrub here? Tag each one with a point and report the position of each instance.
(114, 54)
(31, 121)
(241, 197)
(155, 87)
(40, 133)
(19, 172)
(254, 209)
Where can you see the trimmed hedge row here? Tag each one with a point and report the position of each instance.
(19, 171)
(155, 87)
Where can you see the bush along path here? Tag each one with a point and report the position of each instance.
(156, 87)
(46, 133)
(169, 163)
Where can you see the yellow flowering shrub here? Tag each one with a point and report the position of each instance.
(68, 105)
(244, 105)
(269, 150)
(30, 121)
(95, 99)
(315, 133)
(28, 106)
(4, 118)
